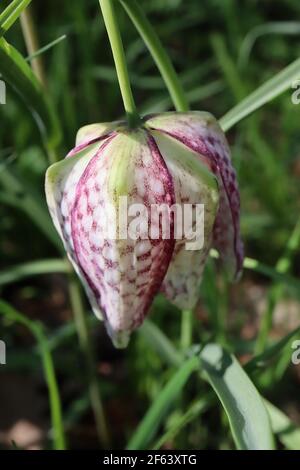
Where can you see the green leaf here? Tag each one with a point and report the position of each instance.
(272, 273)
(242, 403)
(287, 432)
(48, 365)
(27, 199)
(160, 343)
(275, 27)
(46, 48)
(11, 14)
(161, 58)
(34, 268)
(262, 95)
(193, 412)
(18, 74)
(261, 360)
(158, 410)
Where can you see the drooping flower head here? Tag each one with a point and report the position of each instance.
(172, 161)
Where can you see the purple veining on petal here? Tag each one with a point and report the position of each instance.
(124, 295)
(84, 176)
(170, 244)
(85, 144)
(181, 283)
(226, 173)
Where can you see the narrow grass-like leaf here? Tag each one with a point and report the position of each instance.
(287, 432)
(194, 95)
(269, 354)
(11, 14)
(275, 27)
(24, 198)
(54, 397)
(18, 74)
(193, 412)
(283, 266)
(34, 268)
(158, 410)
(262, 95)
(158, 53)
(242, 403)
(46, 48)
(268, 271)
(159, 342)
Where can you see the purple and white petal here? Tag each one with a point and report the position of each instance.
(194, 185)
(201, 132)
(124, 274)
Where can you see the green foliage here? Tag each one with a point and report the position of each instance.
(160, 388)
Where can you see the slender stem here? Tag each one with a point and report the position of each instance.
(54, 396)
(85, 344)
(30, 37)
(32, 44)
(110, 20)
(186, 329)
(283, 266)
(158, 53)
(59, 441)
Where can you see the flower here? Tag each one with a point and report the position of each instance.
(171, 160)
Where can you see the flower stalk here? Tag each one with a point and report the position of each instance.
(158, 53)
(110, 20)
(32, 45)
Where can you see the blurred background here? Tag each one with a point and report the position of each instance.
(222, 50)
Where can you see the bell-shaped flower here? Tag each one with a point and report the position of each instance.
(120, 200)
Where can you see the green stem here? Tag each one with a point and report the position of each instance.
(85, 344)
(75, 295)
(37, 65)
(49, 371)
(158, 53)
(110, 20)
(55, 402)
(186, 329)
(283, 266)
(32, 45)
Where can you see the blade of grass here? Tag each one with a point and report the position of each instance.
(194, 95)
(35, 268)
(193, 412)
(159, 408)
(49, 371)
(87, 349)
(29, 201)
(11, 13)
(265, 93)
(158, 53)
(283, 266)
(160, 343)
(32, 45)
(262, 360)
(268, 271)
(242, 403)
(287, 432)
(17, 73)
(46, 48)
(275, 27)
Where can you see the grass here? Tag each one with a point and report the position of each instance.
(218, 73)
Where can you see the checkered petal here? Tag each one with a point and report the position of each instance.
(199, 131)
(121, 275)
